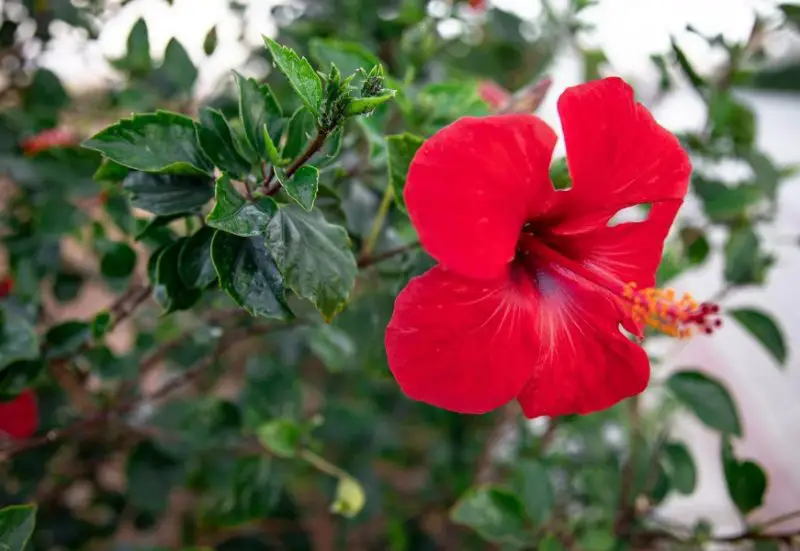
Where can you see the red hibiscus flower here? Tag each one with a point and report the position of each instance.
(533, 284)
(48, 139)
(19, 417)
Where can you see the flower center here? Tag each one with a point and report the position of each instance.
(661, 309)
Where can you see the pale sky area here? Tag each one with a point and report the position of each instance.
(629, 31)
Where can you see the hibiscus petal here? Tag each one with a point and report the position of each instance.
(19, 417)
(462, 344)
(471, 186)
(588, 365)
(618, 156)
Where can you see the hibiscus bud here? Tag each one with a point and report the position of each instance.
(49, 139)
(492, 93)
(6, 286)
(529, 98)
(19, 418)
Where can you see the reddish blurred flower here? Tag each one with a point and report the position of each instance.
(19, 418)
(49, 139)
(492, 93)
(533, 283)
(6, 286)
(478, 4)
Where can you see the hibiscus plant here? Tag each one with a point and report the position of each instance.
(350, 299)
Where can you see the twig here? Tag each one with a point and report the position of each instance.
(315, 145)
(369, 260)
(82, 426)
(485, 472)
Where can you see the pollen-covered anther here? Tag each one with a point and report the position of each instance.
(663, 310)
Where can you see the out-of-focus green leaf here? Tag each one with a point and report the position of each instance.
(16, 526)
(764, 329)
(708, 399)
(494, 513)
(747, 482)
(18, 339)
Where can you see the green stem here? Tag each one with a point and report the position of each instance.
(377, 224)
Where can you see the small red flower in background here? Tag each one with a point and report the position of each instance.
(6, 286)
(533, 283)
(478, 4)
(19, 417)
(48, 139)
(493, 94)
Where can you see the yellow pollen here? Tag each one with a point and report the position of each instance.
(664, 311)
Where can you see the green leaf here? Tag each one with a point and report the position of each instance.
(361, 106)
(160, 142)
(334, 347)
(746, 481)
(792, 13)
(273, 156)
(234, 214)
(216, 139)
(18, 377)
(550, 543)
(118, 262)
(697, 82)
(350, 497)
(349, 57)
(401, 149)
(210, 41)
(533, 488)
(281, 437)
(67, 286)
(745, 263)
(695, 245)
(137, 58)
(680, 467)
(708, 399)
(314, 257)
(65, 339)
(18, 339)
(194, 262)
(166, 194)
(301, 75)
(723, 203)
(303, 186)
(44, 97)
(151, 475)
(169, 289)
(559, 174)
(177, 74)
(247, 272)
(157, 227)
(258, 108)
(119, 210)
(764, 329)
(494, 513)
(301, 131)
(16, 526)
(101, 324)
(110, 171)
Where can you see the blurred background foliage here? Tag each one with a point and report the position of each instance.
(210, 429)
